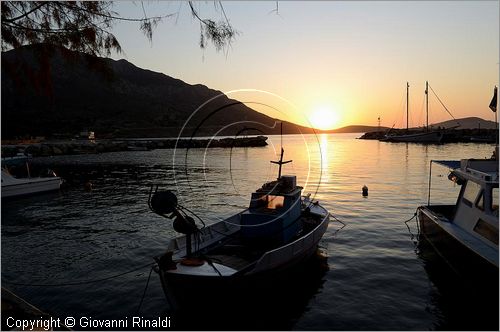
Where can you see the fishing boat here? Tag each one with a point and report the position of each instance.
(13, 186)
(279, 230)
(427, 136)
(465, 235)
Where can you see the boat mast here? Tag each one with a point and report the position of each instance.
(407, 102)
(427, 105)
(281, 162)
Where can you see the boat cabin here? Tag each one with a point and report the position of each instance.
(478, 198)
(274, 211)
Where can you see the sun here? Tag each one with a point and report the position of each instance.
(324, 118)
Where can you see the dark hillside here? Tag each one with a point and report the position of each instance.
(112, 98)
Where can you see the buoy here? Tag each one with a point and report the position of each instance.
(365, 190)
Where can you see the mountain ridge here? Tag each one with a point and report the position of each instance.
(114, 98)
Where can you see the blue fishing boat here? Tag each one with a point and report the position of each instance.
(279, 230)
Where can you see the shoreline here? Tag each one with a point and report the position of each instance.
(93, 147)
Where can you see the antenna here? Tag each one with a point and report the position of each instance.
(281, 162)
(281, 135)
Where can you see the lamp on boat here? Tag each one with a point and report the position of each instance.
(453, 177)
(165, 204)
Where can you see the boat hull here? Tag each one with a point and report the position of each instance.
(265, 302)
(187, 292)
(429, 137)
(24, 188)
(460, 258)
(191, 290)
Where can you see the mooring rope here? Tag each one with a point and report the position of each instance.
(78, 282)
(144, 293)
(340, 221)
(412, 236)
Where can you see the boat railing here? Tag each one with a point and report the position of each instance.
(273, 258)
(483, 175)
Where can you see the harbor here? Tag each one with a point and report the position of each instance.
(455, 135)
(375, 246)
(256, 166)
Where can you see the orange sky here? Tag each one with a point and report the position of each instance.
(351, 58)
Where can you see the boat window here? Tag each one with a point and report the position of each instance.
(259, 202)
(275, 202)
(480, 202)
(487, 231)
(471, 191)
(494, 200)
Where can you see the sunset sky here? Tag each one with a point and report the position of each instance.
(340, 62)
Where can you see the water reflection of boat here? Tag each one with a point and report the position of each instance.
(279, 230)
(13, 186)
(466, 234)
(459, 303)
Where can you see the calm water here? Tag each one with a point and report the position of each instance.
(372, 275)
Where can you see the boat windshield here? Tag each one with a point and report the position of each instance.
(472, 189)
(494, 201)
(271, 202)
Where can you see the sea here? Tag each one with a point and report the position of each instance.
(86, 251)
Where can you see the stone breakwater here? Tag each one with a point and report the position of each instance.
(90, 147)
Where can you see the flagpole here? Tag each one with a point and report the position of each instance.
(496, 122)
(493, 107)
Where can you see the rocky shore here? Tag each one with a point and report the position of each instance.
(90, 147)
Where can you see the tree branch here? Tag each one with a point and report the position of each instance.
(25, 14)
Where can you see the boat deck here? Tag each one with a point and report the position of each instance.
(232, 261)
(443, 211)
(238, 254)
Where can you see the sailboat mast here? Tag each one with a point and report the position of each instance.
(427, 105)
(407, 102)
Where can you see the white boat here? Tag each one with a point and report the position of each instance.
(427, 136)
(466, 234)
(20, 186)
(279, 230)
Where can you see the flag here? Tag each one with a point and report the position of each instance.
(493, 104)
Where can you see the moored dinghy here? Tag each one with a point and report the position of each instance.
(279, 230)
(13, 186)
